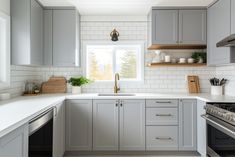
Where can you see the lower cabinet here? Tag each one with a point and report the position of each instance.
(119, 125)
(162, 125)
(59, 130)
(162, 137)
(201, 129)
(15, 144)
(105, 125)
(78, 125)
(132, 125)
(188, 125)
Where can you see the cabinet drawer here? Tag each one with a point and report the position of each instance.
(162, 138)
(162, 116)
(162, 103)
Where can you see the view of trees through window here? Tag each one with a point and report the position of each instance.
(103, 61)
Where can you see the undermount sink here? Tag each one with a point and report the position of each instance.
(116, 94)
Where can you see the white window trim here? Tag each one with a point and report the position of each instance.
(5, 57)
(142, 60)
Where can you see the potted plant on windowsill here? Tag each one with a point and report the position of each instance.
(77, 83)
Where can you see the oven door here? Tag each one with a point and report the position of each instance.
(220, 137)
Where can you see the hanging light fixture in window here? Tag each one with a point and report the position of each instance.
(114, 35)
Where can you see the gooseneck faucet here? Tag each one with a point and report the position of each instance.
(116, 88)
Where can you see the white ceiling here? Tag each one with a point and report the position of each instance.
(121, 7)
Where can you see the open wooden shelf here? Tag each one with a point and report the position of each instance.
(170, 47)
(178, 64)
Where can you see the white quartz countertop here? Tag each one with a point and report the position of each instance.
(18, 111)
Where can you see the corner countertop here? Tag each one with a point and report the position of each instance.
(18, 111)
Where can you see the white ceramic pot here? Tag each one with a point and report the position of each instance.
(216, 90)
(76, 90)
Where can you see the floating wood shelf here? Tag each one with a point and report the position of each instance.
(170, 47)
(177, 64)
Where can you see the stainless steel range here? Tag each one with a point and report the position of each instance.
(220, 119)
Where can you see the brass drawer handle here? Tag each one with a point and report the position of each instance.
(163, 115)
(164, 138)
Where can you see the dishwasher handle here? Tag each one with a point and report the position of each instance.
(41, 120)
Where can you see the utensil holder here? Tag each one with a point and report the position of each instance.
(216, 90)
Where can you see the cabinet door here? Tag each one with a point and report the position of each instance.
(78, 125)
(201, 128)
(48, 49)
(188, 125)
(15, 144)
(59, 131)
(165, 26)
(132, 125)
(192, 27)
(232, 17)
(105, 125)
(64, 37)
(36, 33)
(218, 29)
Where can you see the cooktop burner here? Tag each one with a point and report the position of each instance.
(228, 107)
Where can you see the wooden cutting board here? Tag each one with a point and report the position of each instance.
(193, 84)
(55, 85)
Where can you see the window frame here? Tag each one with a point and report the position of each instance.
(121, 43)
(5, 56)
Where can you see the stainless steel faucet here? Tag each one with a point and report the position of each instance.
(116, 88)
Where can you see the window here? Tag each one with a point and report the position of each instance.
(104, 60)
(4, 50)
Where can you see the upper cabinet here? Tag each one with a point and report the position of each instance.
(44, 36)
(61, 32)
(218, 29)
(165, 26)
(27, 32)
(178, 28)
(233, 17)
(192, 27)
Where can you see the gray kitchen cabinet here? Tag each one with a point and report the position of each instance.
(192, 27)
(59, 130)
(188, 125)
(105, 125)
(26, 32)
(79, 125)
(162, 116)
(232, 17)
(165, 26)
(161, 138)
(177, 26)
(17, 140)
(201, 129)
(218, 29)
(132, 125)
(48, 31)
(65, 37)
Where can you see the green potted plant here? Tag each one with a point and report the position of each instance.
(199, 57)
(77, 83)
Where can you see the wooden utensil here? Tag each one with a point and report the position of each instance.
(193, 84)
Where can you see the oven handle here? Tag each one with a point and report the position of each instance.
(218, 124)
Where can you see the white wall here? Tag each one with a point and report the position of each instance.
(5, 6)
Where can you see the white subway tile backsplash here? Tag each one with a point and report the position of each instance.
(156, 80)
